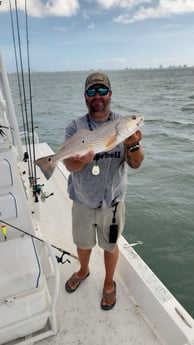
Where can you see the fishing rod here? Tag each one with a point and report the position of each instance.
(59, 259)
(24, 91)
(18, 80)
(28, 121)
(34, 172)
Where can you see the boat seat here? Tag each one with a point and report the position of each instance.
(25, 300)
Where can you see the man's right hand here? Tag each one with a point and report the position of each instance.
(77, 162)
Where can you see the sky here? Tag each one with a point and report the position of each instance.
(71, 35)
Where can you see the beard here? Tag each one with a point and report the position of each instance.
(98, 107)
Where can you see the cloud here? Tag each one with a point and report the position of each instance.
(134, 10)
(45, 8)
(164, 8)
(175, 26)
(61, 28)
(91, 26)
(85, 15)
(121, 3)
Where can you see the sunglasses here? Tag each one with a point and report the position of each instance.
(102, 91)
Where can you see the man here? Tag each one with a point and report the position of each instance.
(97, 185)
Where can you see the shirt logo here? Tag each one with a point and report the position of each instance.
(116, 154)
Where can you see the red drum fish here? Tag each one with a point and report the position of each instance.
(101, 139)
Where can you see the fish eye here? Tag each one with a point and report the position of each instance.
(82, 141)
(134, 117)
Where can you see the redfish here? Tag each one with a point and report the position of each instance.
(103, 138)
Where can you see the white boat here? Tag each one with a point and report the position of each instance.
(34, 306)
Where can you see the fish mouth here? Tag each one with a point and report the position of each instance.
(141, 121)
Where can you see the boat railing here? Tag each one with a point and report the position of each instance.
(30, 134)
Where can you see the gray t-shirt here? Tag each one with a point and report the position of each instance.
(107, 188)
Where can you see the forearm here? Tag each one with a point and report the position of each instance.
(78, 162)
(134, 155)
(134, 158)
(73, 164)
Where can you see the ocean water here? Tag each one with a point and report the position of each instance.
(159, 200)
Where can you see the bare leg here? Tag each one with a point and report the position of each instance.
(84, 257)
(110, 260)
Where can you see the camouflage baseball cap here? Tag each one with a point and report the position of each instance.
(97, 78)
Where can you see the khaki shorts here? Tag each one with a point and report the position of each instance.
(90, 225)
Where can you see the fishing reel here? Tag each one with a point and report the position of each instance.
(45, 195)
(61, 260)
(38, 190)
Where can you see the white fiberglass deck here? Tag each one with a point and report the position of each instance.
(80, 319)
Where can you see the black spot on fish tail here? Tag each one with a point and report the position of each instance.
(46, 165)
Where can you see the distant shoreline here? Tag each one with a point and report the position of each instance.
(159, 68)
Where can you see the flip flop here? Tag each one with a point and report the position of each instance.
(75, 280)
(107, 295)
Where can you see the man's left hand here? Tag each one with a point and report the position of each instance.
(134, 138)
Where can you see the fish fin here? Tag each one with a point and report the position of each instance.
(46, 165)
(112, 142)
(119, 128)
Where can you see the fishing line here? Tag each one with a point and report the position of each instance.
(64, 252)
(23, 86)
(30, 149)
(31, 108)
(17, 70)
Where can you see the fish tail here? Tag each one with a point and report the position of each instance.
(46, 165)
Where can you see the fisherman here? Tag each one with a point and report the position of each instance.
(97, 185)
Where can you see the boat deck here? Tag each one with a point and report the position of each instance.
(80, 319)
